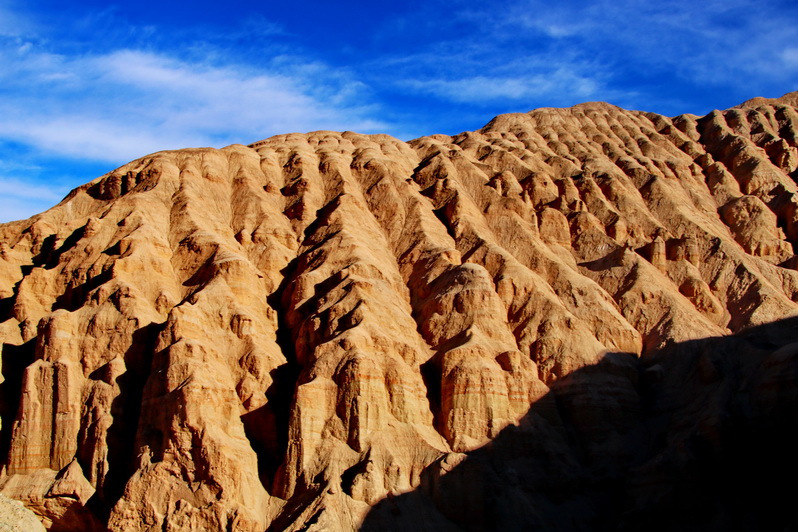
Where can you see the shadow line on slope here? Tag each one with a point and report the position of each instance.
(700, 435)
(266, 427)
(126, 411)
(49, 257)
(75, 297)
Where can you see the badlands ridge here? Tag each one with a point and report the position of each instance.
(571, 319)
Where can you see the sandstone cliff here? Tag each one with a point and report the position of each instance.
(292, 333)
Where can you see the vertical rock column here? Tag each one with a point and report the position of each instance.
(45, 433)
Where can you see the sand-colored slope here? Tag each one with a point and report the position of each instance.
(285, 333)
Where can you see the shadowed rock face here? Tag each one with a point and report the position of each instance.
(289, 334)
(700, 435)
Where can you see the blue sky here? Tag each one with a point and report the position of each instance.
(87, 86)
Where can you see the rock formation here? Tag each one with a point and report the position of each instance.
(14, 517)
(326, 331)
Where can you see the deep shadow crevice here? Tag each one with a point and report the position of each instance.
(126, 411)
(14, 358)
(267, 427)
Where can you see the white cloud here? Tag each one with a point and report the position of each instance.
(526, 88)
(657, 56)
(711, 41)
(80, 136)
(487, 72)
(790, 57)
(18, 189)
(560, 30)
(11, 23)
(124, 104)
(12, 208)
(66, 100)
(20, 199)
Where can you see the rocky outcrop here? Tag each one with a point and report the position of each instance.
(14, 517)
(286, 334)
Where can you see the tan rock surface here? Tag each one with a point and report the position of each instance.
(14, 517)
(284, 334)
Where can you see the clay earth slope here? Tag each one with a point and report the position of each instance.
(293, 334)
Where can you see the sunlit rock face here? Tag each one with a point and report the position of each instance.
(553, 322)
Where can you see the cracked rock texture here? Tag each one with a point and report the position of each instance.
(293, 334)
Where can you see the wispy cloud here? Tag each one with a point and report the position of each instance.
(18, 189)
(20, 199)
(485, 57)
(77, 100)
(126, 103)
(523, 88)
(711, 41)
(11, 23)
(790, 57)
(637, 53)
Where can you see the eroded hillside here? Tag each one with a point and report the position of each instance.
(287, 333)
